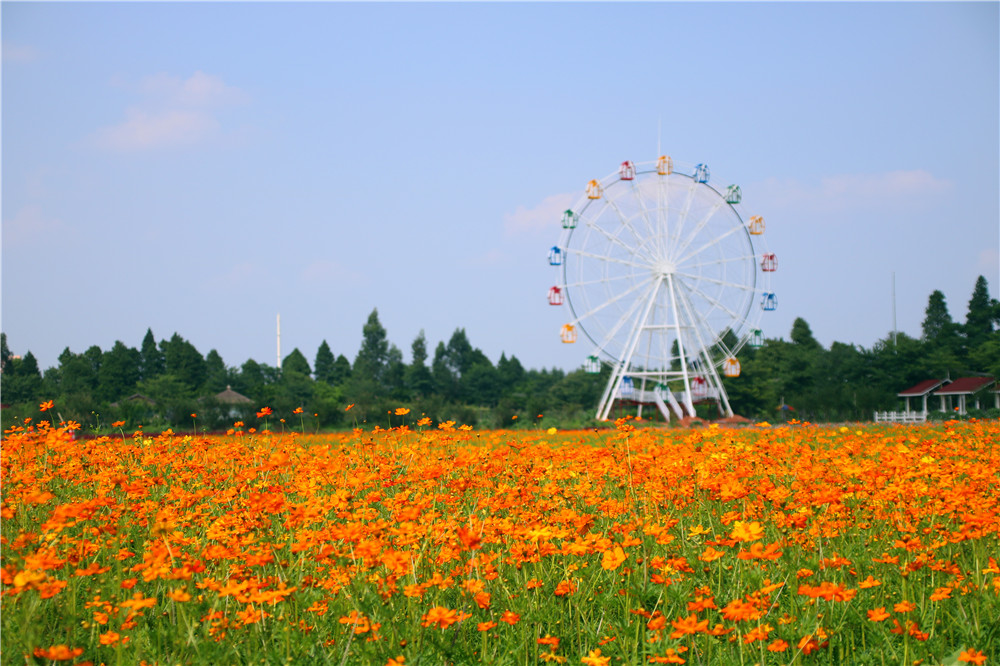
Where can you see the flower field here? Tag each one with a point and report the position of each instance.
(423, 545)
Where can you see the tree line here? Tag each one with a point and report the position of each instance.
(163, 383)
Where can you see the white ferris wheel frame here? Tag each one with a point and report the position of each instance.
(666, 277)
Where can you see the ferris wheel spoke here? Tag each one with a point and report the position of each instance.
(650, 227)
(714, 301)
(625, 222)
(604, 257)
(602, 280)
(663, 213)
(626, 317)
(612, 238)
(697, 230)
(723, 260)
(721, 283)
(627, 292)
(713, 242)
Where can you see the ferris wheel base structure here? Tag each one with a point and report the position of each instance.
(661, 273)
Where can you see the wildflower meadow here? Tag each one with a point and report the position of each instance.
(422, 543)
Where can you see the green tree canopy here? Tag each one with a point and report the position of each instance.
(119, 372)
(152, 361)
(983, 312)
(323, 368)
(296, 362)
(419, 381)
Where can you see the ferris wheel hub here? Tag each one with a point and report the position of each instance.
(663, 268)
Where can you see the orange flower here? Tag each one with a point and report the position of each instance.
(117, 424)
(564, 588)
(397, 661)
(711, 554)
(747, 531)
(777, 646)
(613, 558)
(904, 606)
(442, 617)
(299, 410)
(878, 614)
(669, 657)
(869, 582)
(470, 539)
(941, 593)
(349, 407)
(485, 626)
(402, 411)
(971, 656)
(594, 658)
(109, 638)
(688, 625)
(58, 653)
(46, 406)
(265, 411)
(510, 618)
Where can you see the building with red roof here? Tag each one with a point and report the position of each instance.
(923, 391)
(964, 388)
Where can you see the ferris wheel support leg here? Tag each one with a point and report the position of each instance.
(619, 374)
(674, 405)
(610, 391)
(662, 406)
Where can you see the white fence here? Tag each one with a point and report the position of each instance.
(900, 417)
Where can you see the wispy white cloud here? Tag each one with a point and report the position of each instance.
(989, 262)
(141, 130)
(200, 90)
(19, 53)
(546, 216)
(329, 273)
(894, 190)
(174, 112)
(237, 278)
(29, 224)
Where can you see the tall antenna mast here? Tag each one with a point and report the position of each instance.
(279, 342)
(894, 310)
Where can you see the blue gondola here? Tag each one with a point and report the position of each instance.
(769, 302)
(555, 256)
(701, 173)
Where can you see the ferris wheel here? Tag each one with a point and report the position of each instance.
(666, 277)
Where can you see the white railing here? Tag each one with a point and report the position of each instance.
(900, 417)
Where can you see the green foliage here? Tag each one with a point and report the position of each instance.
(324, 366)
(460, 383)
(296, 362)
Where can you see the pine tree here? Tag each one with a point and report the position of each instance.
(418, 376)
(296, 362)
(983, 311)
(323, 368)
(120, 371)
(937, 322)
(152, 362)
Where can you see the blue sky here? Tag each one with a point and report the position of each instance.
(199, 168)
